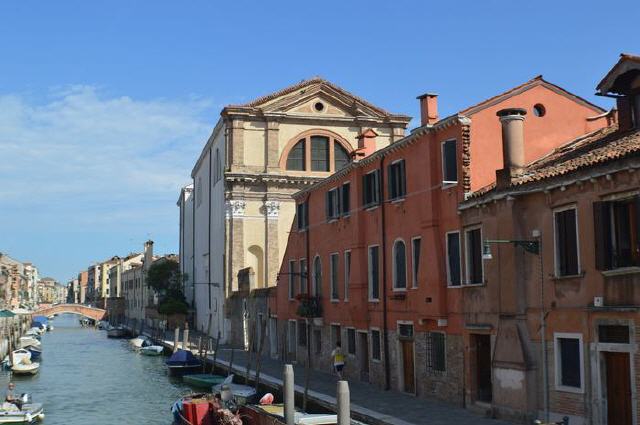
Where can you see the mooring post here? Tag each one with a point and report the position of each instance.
(288, 394)
(185, 337)
(344, 410)
(176, 338)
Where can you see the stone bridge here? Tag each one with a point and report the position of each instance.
(82, 310)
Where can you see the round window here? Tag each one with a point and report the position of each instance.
(319, 106)
(539, 110)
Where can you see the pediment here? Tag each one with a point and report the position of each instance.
(317, 98)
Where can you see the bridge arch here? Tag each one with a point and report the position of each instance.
(82, 310)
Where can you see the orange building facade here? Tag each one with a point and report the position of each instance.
(375, 256)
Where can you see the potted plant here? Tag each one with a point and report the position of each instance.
(310, 307)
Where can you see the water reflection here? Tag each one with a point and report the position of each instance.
(86, 378)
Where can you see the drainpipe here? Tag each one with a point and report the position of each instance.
(543, 340)
(193, 247)
(209, 238)
(387, 370)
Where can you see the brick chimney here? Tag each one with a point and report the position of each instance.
(148, 254)
(512, 120)
(428, 108)
(366, 144)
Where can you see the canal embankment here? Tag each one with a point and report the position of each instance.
(369, 404)
(12, 327)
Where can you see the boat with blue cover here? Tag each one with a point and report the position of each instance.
(183, 362)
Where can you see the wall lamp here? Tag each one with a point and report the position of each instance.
(530, 245)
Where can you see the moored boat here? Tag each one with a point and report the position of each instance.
(116, 332)
(243, 394)
(30, 413)
(36, 352)
(183, 362)
(152, 350)
(204, 409)
(26, 341)
(140, 341)
(203, 380)
(17, 356)
(273, 414)
(25, 367)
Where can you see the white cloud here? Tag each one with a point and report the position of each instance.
(83, 147)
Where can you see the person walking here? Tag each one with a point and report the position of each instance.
(338, 360)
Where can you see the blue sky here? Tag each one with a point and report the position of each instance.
(104, 106)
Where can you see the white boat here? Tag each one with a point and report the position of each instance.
(140, 341)
(26, 341)
(25, 367)
(30, 413)
(243, 394)
(152, 350)
(18, 356)
(34, 331)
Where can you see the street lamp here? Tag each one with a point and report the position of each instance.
(532, 246)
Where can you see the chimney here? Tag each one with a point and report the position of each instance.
(428, 108)
(512, 120)
(148, 254)
(366, 144)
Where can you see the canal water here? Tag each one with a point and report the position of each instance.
(87, 378)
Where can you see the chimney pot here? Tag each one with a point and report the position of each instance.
(428, 108)
(512, 120)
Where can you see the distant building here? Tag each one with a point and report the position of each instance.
(83, 280)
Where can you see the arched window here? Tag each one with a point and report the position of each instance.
(399, 265)
(317, 276)
(342, 157)
(296, 159)
(315, 153)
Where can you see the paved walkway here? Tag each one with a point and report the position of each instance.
(368, 403)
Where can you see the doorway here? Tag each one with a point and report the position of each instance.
(618, 373)
(273, 337)
(484, 390)
(406, 348)
(363, 356)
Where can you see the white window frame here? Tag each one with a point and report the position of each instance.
(414, 275)
(335, 214)
(394, 271)
(467, 258)
(446, 242)
(556, 261)
(369, 275)
(557, 362)
(371, 330)
(331, 275)
(347, 273)
(445, 183)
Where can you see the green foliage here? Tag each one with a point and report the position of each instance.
(172, 306)
(164, 278)
(310, 306)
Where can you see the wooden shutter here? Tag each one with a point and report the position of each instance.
(602, 233)
(403, 179)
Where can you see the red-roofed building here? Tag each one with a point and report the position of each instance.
(374, 256)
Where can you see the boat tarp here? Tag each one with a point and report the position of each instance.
(40, 319)
(6, 313)
(183, 358)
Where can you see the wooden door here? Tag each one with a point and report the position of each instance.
(618, 389)
(407, 364)
(483, 368)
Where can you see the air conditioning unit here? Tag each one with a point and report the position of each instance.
(442, 323)
(598, 301)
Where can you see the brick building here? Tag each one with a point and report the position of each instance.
(580, 207)
(374, 253)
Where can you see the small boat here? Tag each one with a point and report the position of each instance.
(34, 331)
(30, 413)
(19, 355)
(102, 325)
(116, 332)
(243, 394)
(26, 341)
(140, 341)
(49, 327)
(25, 367)
(203, 380)
(36, 353)
(152, 350)
(183, 362)
(204, 409)
(274, 414)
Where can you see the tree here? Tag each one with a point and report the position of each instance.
(165, 278)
